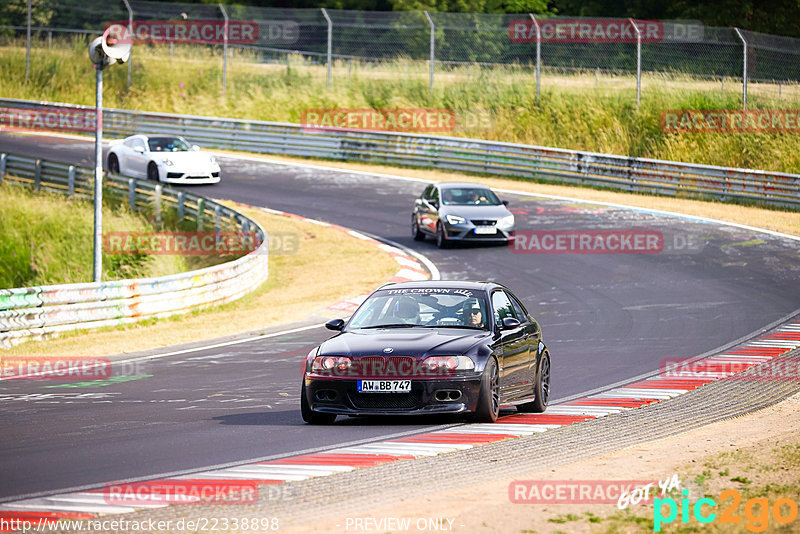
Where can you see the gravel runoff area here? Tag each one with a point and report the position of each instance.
(295, 504)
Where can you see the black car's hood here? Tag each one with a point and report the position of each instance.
(416, 342)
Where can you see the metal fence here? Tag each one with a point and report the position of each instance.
(445, 41)
(34, 312)
(451, 153)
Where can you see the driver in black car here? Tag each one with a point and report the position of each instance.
(473, 315)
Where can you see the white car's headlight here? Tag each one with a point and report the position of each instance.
(212, 160)
(168, 162)
(506, 222)
(455, 219)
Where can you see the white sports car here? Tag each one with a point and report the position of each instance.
(163, 158)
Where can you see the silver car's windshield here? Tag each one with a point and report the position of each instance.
(167, 144)
(422, 307)
(469, 196)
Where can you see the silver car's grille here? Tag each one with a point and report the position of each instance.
(484, 222)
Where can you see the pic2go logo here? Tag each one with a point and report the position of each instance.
(757, 511)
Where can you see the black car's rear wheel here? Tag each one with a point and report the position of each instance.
(310, 416)
(489, 399)
(416, 233)
(441, 239)
(542, 388)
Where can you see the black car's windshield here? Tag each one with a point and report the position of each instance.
(167, 144)
(469, 196)
(422, 307)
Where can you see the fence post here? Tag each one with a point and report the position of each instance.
(744, 68)
(181, 208)
(132, 193)
(538, 56)
(37, 175)
(157, 202)
(28, 45)
(330, 42)
(638, 62)
(224, 49)
(217, 210)
(201, 206)
(433, 45)
(130, 34)
(3, 160)
(71, 181)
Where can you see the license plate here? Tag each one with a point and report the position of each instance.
(485, 230)
(384, 386)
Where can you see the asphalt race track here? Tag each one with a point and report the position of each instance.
(605, 318)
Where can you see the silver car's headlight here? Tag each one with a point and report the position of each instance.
(506, 222)
(455, 219)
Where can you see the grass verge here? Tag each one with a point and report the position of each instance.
(47, 239)
(318, 274)
(582, 111)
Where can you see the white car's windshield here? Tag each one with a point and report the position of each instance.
(469, 196)
(167, 144)
(422, 307)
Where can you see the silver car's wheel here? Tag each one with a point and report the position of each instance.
(416, 233)
(441, 239)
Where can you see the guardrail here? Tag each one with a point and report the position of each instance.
(46, 310)
(451, 153)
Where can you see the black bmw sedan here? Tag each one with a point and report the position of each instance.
(431, 347)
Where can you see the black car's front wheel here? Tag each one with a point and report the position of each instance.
(310, 416)
(542, 388)
(416, 233)
(489, 400)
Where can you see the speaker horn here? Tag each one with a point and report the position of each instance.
(117, 43)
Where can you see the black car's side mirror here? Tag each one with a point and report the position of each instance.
(335, 324)
(510, 322)
(505, 203)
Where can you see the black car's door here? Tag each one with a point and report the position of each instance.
(513, 350)
(533, 336)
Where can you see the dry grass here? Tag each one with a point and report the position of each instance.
(319, 274)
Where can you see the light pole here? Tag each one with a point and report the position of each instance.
(113, 47)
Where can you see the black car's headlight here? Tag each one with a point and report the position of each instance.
(331, 365)
(443, 365)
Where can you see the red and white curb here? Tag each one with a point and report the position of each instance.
(89, 504)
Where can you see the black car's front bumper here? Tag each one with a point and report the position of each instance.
(341, 397)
